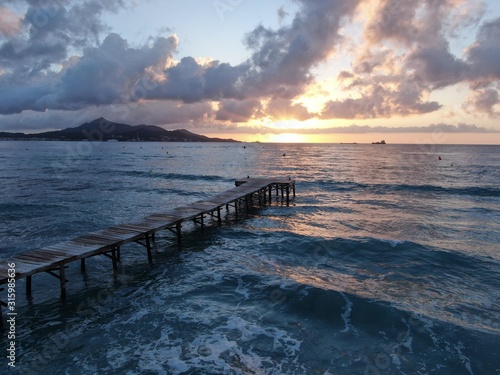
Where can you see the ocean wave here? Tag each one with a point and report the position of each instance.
(351, 186)
(175, 176)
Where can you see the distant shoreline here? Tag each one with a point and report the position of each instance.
(104, 130)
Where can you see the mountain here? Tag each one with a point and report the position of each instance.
(105, 130)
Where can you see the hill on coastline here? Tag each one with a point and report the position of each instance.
(105, 130)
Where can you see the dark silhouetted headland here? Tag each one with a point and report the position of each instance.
(105, 130)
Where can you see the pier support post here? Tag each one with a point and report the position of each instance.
(148, 248)
(1, 312)
(113, 259)
(288, 195)
(178, 231)
(2, 304)
(82, 265)
(219, 221)
(28, 286)
(62, 278)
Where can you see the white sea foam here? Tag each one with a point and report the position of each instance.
(347, 313)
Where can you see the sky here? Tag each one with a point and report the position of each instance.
(406, 71)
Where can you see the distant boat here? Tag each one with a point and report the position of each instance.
(348, 143)
(382, 142)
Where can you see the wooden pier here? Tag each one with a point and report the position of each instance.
(53, 259)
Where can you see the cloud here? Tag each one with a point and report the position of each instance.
(103, 75)
(111, 71)
(10, 22)
(284, 109)
(50, 29)
(397, 82)
(279, 65)
(420, 22)
(282, 59)
(484, 101)
(380, 99)
(437, 67)
(365, 129)
(190, 81)
(168, 114)
(484, 76)
(238, 110)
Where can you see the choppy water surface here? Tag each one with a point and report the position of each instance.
(387, 262)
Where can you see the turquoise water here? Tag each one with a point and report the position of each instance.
(385, 263)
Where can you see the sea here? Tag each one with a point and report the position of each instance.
(385, 262)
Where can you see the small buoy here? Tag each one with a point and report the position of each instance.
(248, 176)
(284, 154)
(440, 158)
